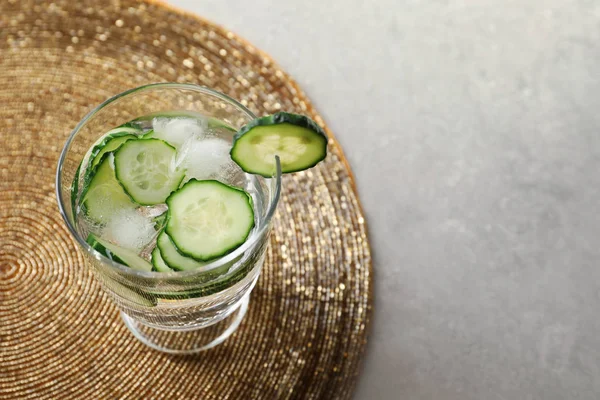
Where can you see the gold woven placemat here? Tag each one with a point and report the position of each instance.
(60, 337)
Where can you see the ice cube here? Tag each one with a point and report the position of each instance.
(87, 225)
(177, 130)
(153, 211)
(130, 229)
(231, 173)
(182, 153)
(204, 159)
(211, 132)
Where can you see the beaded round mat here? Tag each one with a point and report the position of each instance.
(60, 337)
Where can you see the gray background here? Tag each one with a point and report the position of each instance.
(473, 128)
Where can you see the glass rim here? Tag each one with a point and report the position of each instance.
(251, 240)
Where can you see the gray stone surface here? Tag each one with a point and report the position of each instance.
(473, 128)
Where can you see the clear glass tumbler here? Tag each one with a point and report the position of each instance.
(175, 312)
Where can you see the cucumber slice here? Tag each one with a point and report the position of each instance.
(133, 125)
(159, 221)
(209, 288)
(130, 294)
(218, 124)
(151, 134)
(158, 263)
(125, 129)
(127, 257)
(298, 141)
(144, 169)
(110, 143)
(148, 135)
(171, 255)
(175, 260)
(102, 195)
(208, 219)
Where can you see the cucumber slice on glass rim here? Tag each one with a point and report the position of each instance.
(145, 169)
(298, 141)
(208, 219)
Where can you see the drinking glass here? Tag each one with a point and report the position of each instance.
(175, 312)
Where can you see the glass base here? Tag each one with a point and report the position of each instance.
(189, 341)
